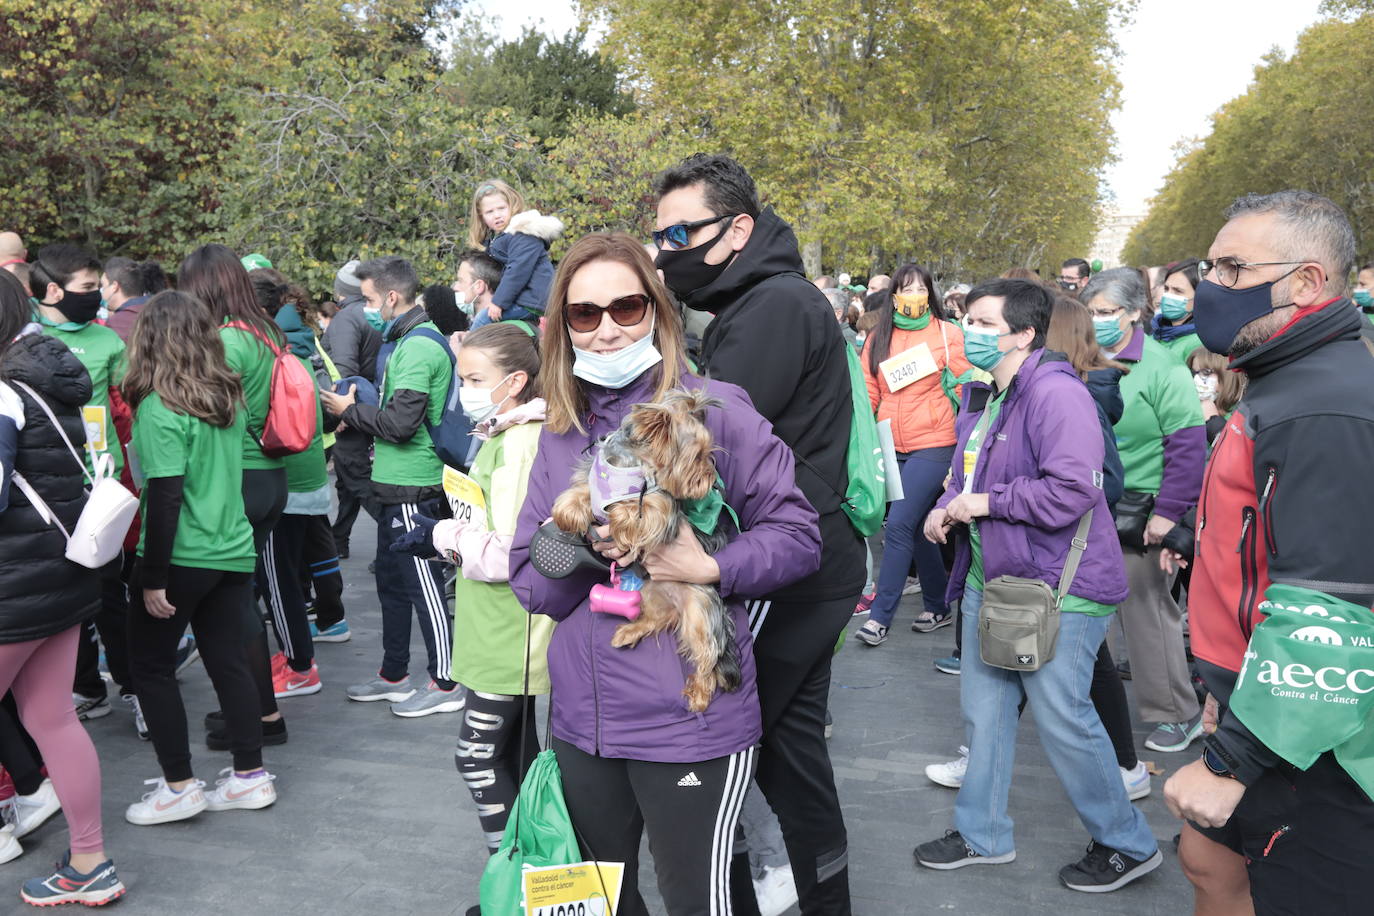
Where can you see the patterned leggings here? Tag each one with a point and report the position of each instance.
(487, 756)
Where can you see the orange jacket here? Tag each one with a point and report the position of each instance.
(921, 414)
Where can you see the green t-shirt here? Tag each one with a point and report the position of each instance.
(1160, 399)
(252, 360)
(1072, 604)
(102, 353)
(417, 364)
(305, 471)
(973, 448)
(212, 531)
(488, 621)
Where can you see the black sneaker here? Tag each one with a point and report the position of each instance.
(272, 733)
(1104, 869)
(950, 851)
(90, 707)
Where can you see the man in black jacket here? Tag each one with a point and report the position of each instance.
(353, 338)
(1287, 500)
(775, 335)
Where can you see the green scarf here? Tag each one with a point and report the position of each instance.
(911, 324)
(704, 514)
(61, 326)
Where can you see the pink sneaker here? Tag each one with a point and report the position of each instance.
(865, 603)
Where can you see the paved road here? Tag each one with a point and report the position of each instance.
(373, 819)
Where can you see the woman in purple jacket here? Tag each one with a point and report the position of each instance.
(632, 755)
(1027, 468)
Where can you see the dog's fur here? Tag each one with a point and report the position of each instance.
(670, 440)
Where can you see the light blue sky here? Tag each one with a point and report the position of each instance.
(1181, 60)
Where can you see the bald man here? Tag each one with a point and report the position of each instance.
(12, 251)
(878, 282)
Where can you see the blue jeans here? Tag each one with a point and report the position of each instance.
(923, 478)
(1070, 731)
(515, 312)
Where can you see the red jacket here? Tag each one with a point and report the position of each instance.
(1287, 497)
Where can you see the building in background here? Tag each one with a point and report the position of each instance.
(1111, 236)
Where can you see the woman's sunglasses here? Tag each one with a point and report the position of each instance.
(627, 311)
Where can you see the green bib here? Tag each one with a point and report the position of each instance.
(1307, 685)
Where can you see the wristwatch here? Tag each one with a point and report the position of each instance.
(1212, 761)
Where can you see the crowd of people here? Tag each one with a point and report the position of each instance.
(1061, 443)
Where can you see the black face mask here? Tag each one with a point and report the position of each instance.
(79, 307)
(686, 271)
(1219, 313)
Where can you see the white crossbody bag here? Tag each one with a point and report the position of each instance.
(98, 536)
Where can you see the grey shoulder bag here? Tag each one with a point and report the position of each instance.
(1018, 624)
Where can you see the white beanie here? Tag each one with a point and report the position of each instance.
(346, 282)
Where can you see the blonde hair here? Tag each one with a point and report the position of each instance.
(478, 233)
(567, 402)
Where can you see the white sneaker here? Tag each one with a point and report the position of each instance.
(234, 791)
(1137, 781)
(140, 724)
(162, 805)
(30, 811)
(776, 891)
(9, 846)
(949, 774)
(912, 587)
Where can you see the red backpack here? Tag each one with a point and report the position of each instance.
(290, 424)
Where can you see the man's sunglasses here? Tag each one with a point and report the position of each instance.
(675, 237)
(627, 311)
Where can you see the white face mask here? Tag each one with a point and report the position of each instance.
(1206, 387)
(616, 370)
(477, 403)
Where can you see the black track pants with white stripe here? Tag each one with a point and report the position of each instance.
(405, 582)
(689, 809)
(279, 575)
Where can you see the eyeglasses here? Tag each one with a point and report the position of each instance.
(675, 237)
(1226, 271)
(627, 311)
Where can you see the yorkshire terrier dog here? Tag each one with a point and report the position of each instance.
(636, 481)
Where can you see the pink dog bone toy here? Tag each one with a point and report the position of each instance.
(621, 597)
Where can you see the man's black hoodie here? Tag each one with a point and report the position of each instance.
(775, 335)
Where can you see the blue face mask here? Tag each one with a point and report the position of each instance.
(1108, 331)
(1173, 307)
(1220, 312)
(980, 348)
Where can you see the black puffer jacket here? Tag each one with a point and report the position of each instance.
(42, 593)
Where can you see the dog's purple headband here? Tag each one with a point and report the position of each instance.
(610, 484)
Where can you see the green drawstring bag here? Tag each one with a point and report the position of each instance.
(1307, 685)
(539, 833)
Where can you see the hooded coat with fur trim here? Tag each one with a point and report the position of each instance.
(42, 593)
(523, 250)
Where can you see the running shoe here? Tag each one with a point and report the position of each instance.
(950, 664)
(337, 632)
(871, 633)
(187, 653)
(31, 811)
(912, 587)
(9, 846)
(379, 688)
(1137, 781)
(288, 682)
(1106, 869)
(279, 662)
(949, 775)
(140, 724)
(950, 851)
(865, 604)
(1172, 737)
(67, 885)
(430, 700)
(217, 737)
(776, 891)
(249, 791)
(7, 790)
(164, 805)
(90, 707)
(931, 624)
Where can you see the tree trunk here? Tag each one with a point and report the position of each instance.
(811, 258)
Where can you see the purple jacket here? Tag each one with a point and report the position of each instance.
(628, 702)
(1042, 468)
